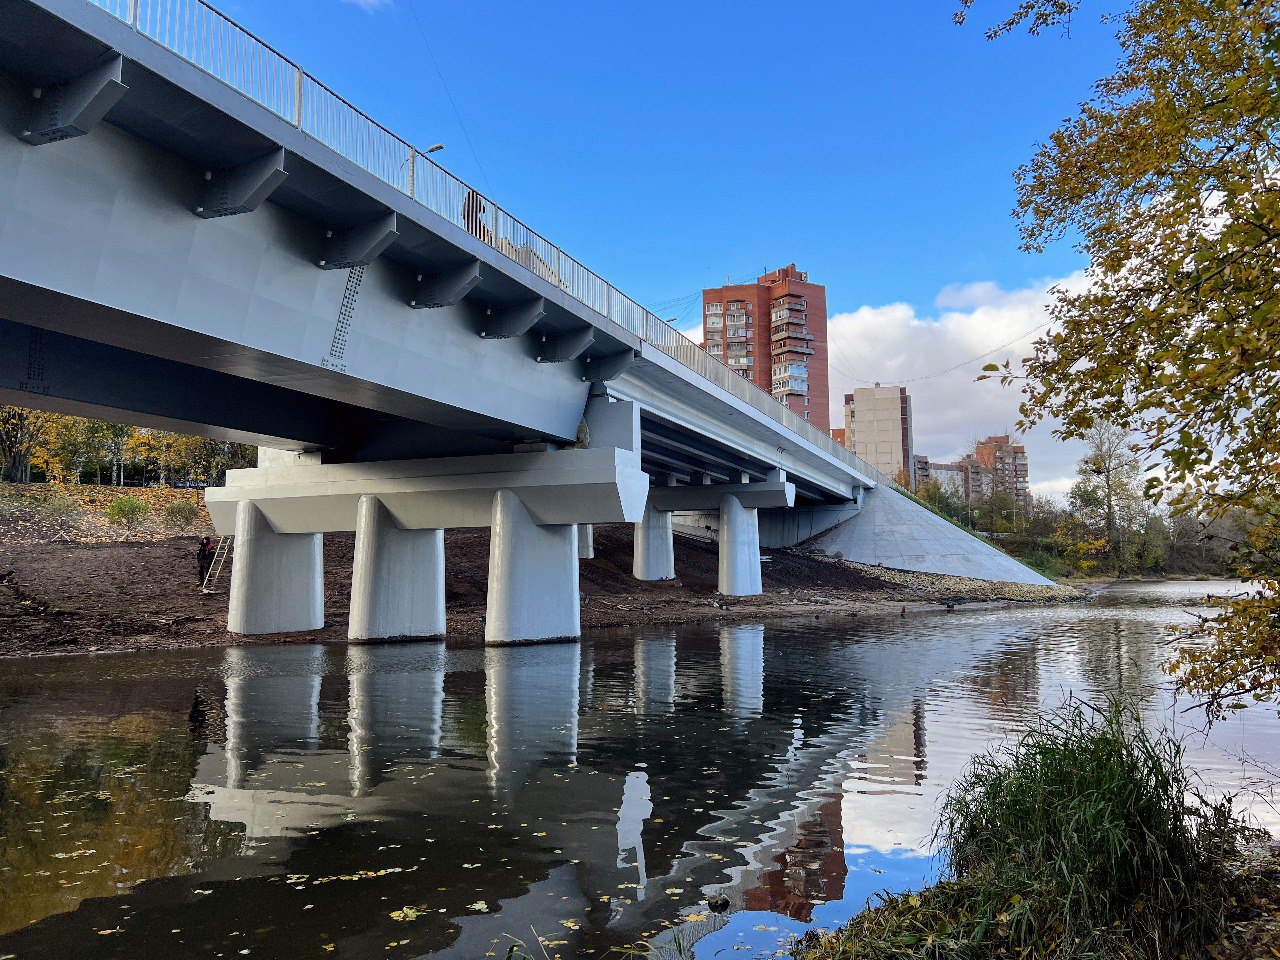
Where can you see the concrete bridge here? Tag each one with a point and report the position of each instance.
(196, 235)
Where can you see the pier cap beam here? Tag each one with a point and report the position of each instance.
(556, 487)
(703, 496)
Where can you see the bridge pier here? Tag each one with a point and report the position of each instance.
(397, 582)
(533, 577)
(653, 556)
(739, 549)
(277, 579)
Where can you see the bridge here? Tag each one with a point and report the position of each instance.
(197, 235)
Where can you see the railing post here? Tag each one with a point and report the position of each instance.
(297, 96)
(133, 13)
(413, 168)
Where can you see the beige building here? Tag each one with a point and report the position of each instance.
(877, 427)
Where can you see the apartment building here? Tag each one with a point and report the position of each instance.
(773, 332)
(877, 428)
(997, 465)
(1007, 462)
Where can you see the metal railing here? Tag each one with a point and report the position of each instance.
(222, 48)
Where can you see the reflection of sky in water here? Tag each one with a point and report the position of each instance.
(412, 800)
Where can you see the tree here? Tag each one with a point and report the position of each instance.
(21, 433)
(1108, 495)
(1167, 177)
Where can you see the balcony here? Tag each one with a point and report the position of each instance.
(793, 331)
(790, 302)
(792, 346)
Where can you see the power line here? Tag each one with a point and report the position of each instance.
(981, 356)
(448, 93)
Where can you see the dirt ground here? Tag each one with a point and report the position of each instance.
(64, 597)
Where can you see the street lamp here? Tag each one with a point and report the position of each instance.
(435, 148)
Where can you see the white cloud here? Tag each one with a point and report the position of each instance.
(937, 358)
(369, 6)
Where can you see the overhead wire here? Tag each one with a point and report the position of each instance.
(449, 93)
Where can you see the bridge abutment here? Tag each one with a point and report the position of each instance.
(397, 582)
(277, 579)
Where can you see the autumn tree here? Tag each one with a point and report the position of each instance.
(1167, 180)
(21, 433)
(1108, 495)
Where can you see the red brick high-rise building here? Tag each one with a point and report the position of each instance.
(773, 332)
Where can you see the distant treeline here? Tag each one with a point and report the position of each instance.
(37, 446)
(1108, 526)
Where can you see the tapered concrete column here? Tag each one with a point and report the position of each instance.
(397, 582)
(586, 542)
(654, 556)
(277, 579)
(739, 549)
(533, 577)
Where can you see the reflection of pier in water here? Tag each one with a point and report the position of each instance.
(771, 836)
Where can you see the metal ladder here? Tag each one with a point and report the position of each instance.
(220, 551)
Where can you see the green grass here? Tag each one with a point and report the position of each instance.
(1085, 839)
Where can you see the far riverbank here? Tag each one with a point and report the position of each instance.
(91, 593)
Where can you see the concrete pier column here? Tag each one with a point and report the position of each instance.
(397, 582)
(533, 577)
(277, 579)
(739, 549)
(654, 556)
(586, 542)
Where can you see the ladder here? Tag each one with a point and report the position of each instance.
(220, 551)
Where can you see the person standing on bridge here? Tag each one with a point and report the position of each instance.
(204, 555)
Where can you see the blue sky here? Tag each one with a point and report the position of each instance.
(670, 145)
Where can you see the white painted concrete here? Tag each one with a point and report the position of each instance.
(653, 555)
(893, 531)
(397, 580)
(595, 485)
(586, 542)
(533, 577)
(277, 579)
(753, 496)
(739, 550)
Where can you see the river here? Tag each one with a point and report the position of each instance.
(415, 800)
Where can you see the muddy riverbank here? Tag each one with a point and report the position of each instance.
(74, 596)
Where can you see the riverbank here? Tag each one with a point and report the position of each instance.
(98, 595)
(71, 580)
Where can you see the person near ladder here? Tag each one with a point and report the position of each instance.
(205, 555)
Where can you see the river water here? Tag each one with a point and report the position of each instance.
(421, 801)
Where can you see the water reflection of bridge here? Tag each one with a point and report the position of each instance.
(748, 806)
